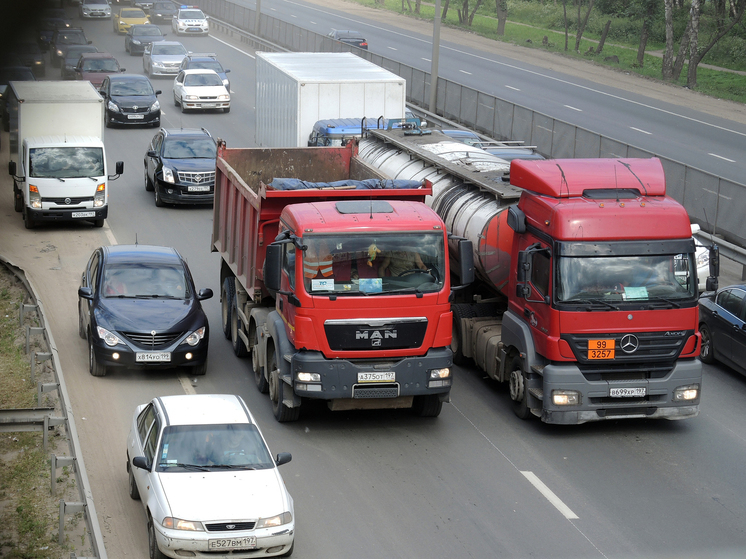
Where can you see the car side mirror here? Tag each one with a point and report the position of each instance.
(90, 42)
(122, 69)
(151, 153)
(227, 71)
(140, 462)
(204, 294)
(158, 92)
(283, 458)
(85, 292)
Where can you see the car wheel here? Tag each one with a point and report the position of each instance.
(17, 199)
(277, 389)
(239, 347)
(176, 102)
(227, 110)
(226, 305)
(134, 491)
(707, 353)
(94, 367)
(153, 549)
(81, 327)
(427, 406)
(98, 223)
(183, 108)
(259, 377)
(518, 389)
(106, 120)
(148, 182)
(28, 220)
(158, 202)
(200, 370)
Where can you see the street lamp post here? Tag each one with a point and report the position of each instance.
(436, 55)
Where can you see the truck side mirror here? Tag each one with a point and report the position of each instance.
(12, 168)
(466, 261)
(273, 266)
(711, 284)
(516, 219)
(120, 167)
(714, 261)
(523, 271)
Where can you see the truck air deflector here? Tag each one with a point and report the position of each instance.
(626, 248)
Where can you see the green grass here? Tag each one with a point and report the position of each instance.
(531, 21)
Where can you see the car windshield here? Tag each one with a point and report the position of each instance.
(235, 446)
(132, 14)
(191, 14)
(163, 6)
(53, 23)
(147, 32)
(371, 263)
(74, 52)
(206, 65)
(165, 50)
(71, 39)
(199, 80)
(626, 278)
(190, 148)
(131, 88)
(66, 162)
(145, 281)
(100, 65)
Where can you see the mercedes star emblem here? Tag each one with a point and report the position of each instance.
(629, 343)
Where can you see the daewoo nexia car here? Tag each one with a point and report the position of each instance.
(207, 480)
(137, 307)
(201, 89)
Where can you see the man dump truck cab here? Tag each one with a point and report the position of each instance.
(581, 303)
(339, 292)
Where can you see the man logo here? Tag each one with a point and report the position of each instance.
(629, 343)
(375, 334)
(375, 342)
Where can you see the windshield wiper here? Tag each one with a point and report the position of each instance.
(185, 466)
(594, 302)
(232, 466)
(672, 303)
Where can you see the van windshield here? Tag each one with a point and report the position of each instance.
(66, 162)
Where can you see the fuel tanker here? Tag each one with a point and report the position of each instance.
(585, 299)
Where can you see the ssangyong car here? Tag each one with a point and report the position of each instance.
(137, 307)
(207, 480)
(180, 166)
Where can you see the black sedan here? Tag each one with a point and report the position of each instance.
(722, 316)
(140, 35)
(180, 166)
(130, 99)
(162, 12)
(137, 307)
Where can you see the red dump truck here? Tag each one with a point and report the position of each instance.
(338, 291)
(585, 301)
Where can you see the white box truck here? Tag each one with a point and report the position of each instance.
(294, 90)
(57, 155)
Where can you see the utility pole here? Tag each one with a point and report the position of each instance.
(436, 56)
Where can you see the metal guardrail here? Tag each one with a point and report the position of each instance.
(41, 419)
(707, 198)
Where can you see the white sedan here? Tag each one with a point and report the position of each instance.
(207, 480)
(201, 89)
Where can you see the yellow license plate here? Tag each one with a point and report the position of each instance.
(600, 349)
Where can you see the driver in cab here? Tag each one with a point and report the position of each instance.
(399, 261)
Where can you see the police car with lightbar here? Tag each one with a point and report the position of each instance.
(190, 20)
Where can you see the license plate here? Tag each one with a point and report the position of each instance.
(153, 357)
(84, 214)
(198, 189)
(208, 105)
(601, 349)
(627, 392)
(249, 542)
(135, 117)
(376, 377)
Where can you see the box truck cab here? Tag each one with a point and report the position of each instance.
(57, 153)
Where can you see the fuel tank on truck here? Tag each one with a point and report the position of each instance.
(471, 208)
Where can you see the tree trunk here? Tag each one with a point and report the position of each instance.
(502, 16)
(691, 76)
(417, 5)
(581, 25)
(564, 11)
(600, 46)
(474, 11)
(409, 6)
(445, 10)
(463, 13)
(667, 66)
(643, 43)
(683, 50)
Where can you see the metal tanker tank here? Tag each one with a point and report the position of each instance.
(470, 192)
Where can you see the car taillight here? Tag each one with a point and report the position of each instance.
(363, 44)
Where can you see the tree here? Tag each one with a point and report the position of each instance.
(605, 32)
(650, 7)
(667, 66)
(583, 23)
(417, 5)
(564, 14)
(502, 15)
(473, 12)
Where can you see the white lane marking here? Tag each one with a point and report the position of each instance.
(574, 108)
(721, 157)
(513, 88)
(109, 235)
(392, 48)
(313, 23)
(234, 48)
(640, 130)
(465, 72)
(186, 384)
(549, 494)
(426, 59)
(566, 82)
(293, 15)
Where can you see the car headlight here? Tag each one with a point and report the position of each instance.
(168, 175)
(191, 97)
(34, 197)
(179, 524)
(59, 52)
(155, 106)
(308, 377)
(109, 338)
(156, 64)
(100, 197)
(272, 521)
(565, 397)
(135, 42)
(195, 337)
(224, 97)
(112, 106)
(686, 393)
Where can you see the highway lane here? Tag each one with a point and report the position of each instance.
(714, 144)
(386, 483)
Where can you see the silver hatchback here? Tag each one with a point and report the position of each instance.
(163, 58)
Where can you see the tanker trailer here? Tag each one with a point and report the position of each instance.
(578, 305)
